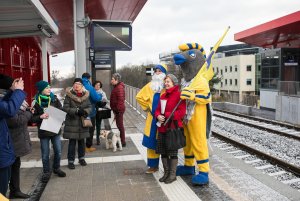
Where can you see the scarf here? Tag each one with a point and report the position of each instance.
(43, 101)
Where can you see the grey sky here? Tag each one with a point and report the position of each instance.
(164, 24)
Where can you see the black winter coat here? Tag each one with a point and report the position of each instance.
(38, 111)
(19, 132)
(73, 124)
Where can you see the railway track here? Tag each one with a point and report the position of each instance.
(263, 124)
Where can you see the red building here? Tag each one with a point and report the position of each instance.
(26, 26)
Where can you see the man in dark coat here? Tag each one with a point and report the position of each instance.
(9, 106)
(117, 104)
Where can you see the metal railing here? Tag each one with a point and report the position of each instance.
(289, 88)
(130, 94)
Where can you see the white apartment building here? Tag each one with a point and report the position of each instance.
(238, 75)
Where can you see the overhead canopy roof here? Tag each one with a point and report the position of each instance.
(281, 32)
(25, 18)
(62, 13)
(20, 18)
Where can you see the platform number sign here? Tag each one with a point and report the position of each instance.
(149, 71)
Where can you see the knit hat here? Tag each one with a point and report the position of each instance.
(78, 80)
(86, 75)
(5, 81)
(41, 85)
(162, 67)
(173, 78)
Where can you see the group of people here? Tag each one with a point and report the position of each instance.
(82, 100)
(164, 86)
(188, 108)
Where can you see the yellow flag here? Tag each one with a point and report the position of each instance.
(206, 70)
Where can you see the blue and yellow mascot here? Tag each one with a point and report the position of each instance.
(197, 120)
(148, 100)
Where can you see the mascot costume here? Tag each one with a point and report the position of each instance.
(197, 120)
(149, 97)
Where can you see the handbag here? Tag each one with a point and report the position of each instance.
(175, 138)
(86, 122)
(104, 113)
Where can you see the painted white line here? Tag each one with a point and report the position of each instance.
(277, 173)
(93, 160)
(264, 167)
(178, 190)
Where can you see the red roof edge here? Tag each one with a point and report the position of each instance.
(282, 21)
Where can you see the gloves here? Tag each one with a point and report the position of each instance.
(81, 112)
(188, 94)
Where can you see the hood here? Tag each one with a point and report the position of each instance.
(72, 94)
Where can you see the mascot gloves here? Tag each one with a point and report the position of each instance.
(187, 93)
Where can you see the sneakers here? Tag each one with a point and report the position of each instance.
(91, 149)
(151, 170)
(59, 173)
(82, 162)
(18, 194)
(71, 166)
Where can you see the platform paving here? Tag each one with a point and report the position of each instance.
(120, 175)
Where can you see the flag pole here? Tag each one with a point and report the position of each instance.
(204, 67)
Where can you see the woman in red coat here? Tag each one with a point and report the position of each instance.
(117, 104)
(169, 157)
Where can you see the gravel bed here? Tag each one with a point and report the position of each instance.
(281, 147)
(273, 169)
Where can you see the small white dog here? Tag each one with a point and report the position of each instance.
(111, 139)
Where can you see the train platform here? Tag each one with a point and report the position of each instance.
(121, 175)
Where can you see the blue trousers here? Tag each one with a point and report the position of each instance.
(45, 148)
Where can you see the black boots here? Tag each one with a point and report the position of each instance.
(172, 170)
(166, 169)
(18, 194)
(59, 172)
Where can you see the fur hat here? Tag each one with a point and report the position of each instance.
(86, 75)
(41, 85)
(173, 78)
(5, 81)
(78, 80)
(162, 67)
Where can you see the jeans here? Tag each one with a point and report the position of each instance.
(89, 140)
(4, 179)
(46, 152)
(71, 150)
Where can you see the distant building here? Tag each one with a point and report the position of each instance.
(239, 67)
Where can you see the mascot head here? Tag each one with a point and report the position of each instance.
(191, 59)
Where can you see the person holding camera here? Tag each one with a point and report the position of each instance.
(21, 140)
(42, 100)
(76, 105)
(11, 99)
